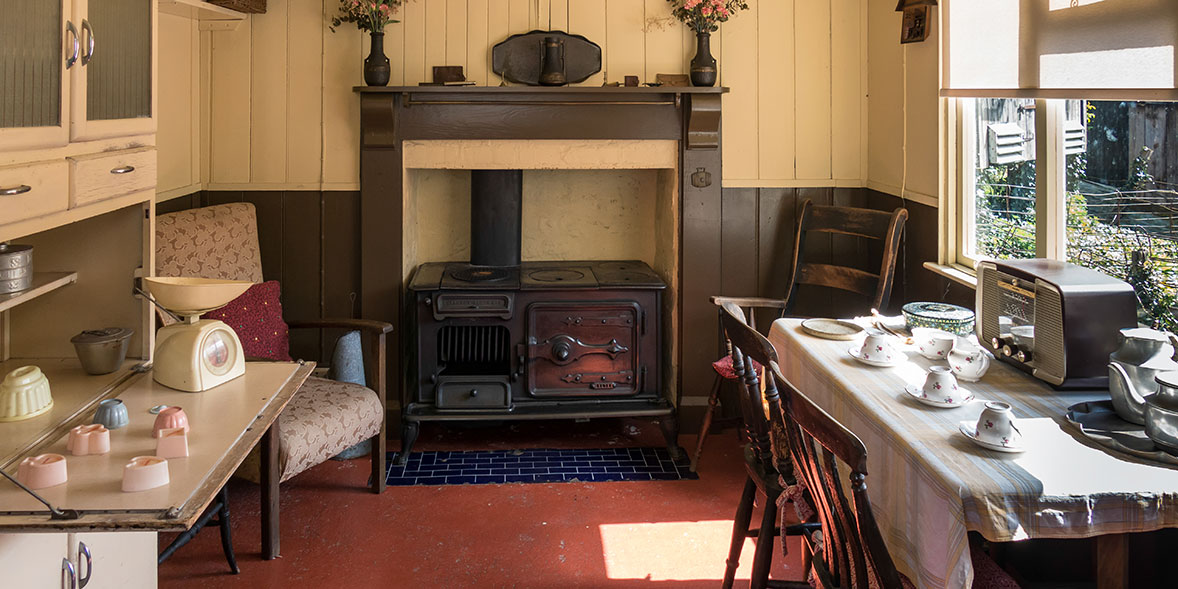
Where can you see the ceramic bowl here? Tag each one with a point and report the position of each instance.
(24, 394)
(934, 344)
(145, 472)
(172, 442)
(112, 413)
(39, 472)
(89, 439)
(170, 418)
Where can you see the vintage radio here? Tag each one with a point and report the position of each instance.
(1055, 320)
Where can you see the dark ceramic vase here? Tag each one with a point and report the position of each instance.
(376, 65)
(703, 65)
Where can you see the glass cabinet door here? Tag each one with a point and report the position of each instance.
(113, 93)
(38, 44)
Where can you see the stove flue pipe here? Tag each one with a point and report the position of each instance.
(496, 217)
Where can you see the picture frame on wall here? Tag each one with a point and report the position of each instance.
(914, 27)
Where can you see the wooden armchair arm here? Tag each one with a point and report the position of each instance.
(367, 325)
(757, 302)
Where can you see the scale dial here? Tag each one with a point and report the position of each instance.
(218, 354)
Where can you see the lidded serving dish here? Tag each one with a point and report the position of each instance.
(952, 318)
(16, 267)
(24, 394)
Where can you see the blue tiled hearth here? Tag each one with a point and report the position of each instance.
(537, 466)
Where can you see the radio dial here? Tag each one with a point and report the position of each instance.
(1007, 351)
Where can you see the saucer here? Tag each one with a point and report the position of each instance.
(918, 394)
(854, 352)
(969, 428)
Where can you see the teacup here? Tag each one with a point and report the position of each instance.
(996, 426)
(940, 385)
(878, 347)
(934, 344)
(969, 361)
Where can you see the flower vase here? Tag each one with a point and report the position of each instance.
(703, 65)
(376, 65)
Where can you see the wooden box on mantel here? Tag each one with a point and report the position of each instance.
(248, 6)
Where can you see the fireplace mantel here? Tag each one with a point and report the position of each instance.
(690, 116)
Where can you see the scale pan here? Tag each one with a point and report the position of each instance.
(188, 296)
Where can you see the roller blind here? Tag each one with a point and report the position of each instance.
(1111, 49)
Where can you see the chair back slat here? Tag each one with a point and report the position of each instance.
(840, 277)
(855, 221)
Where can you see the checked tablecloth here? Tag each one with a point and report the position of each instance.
(929, 484)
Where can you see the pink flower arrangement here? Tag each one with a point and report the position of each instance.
(705, 16)
(368, 15)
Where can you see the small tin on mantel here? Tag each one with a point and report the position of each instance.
(16, 268)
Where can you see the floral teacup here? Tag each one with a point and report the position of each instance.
(878, 348)
(934, 344)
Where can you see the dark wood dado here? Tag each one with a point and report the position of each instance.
(390, 116)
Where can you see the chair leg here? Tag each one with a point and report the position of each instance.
(713, 401)
(379, 473)
(763, 556)
(226, 533)
(740, 529)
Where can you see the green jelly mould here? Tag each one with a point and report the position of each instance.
(951, 318)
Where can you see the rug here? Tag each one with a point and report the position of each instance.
(481, 467)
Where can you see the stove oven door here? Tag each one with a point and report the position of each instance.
(587, 349)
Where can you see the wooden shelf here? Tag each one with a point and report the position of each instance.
(555, 91)
(43, 282)
(211, 16)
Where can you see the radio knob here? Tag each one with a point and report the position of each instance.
(996, 343)
(1007, 351)
(1023, 356)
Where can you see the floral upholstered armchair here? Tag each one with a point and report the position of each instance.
(324, 417)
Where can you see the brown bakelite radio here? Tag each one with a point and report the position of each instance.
(1055, 320)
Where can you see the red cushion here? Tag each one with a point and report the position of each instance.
(724, 368)
(256, 317)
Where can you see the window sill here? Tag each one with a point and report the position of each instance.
(962, 275)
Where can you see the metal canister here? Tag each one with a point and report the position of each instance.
(16, 268)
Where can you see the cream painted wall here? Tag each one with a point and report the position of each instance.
(281, 114)
(903, 147)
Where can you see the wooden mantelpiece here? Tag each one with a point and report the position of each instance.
(691, 116)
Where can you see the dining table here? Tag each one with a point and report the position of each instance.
(930, 485)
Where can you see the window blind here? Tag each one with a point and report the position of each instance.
(1098, 49)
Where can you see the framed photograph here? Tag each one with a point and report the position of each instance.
(914, 28)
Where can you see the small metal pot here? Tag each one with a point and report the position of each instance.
(16, 268)
(102, 351)
(1161, 413)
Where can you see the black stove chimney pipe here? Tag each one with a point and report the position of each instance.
(496, 217)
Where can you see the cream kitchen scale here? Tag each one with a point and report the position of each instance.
(196, 354)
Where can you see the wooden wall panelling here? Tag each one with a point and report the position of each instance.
(776, 226)
(457, 37)
(414, 46)
(587, 18)
(846, 92)
(519, 16)
(498, 29)
(627, 44)
(177, 118)
(436, 42)
(342, 69)
(272, 234)
(664, 41)
(341, 261)
(812, 104)
(268, 99)
(478, 45)
(394, 46)
(775, 91)
(229, 96)
(304, 96)
(302, 231)
(739, 241)
(558, 15)
(815, 301)
(740, 105)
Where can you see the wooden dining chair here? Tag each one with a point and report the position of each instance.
(873, 288)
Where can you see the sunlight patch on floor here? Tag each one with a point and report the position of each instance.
(671, 551)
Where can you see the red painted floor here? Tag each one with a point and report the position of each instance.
(617, 534)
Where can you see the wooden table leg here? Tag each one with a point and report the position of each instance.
(1112, 561)
(270, 475)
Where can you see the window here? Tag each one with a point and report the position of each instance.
(1093, 182)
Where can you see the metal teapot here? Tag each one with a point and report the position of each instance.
(1161, 413)
(1143, 355)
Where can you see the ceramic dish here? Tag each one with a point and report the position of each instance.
(834, 329)
(918, 394)
(854, 353)
(952, 318)
(969, 430)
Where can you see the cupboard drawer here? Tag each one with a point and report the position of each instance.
(33, 190)
(101, 176)
(473, 393)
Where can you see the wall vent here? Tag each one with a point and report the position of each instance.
(1006, 143)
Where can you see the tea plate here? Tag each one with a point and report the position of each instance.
(854, 352)
(918, 394)
(834, 329)
(969, 429)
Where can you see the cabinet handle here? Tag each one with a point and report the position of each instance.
(84, 550)
(67, 574)
(73, 32)
(123, 170)
(89, 32)
(23, 188)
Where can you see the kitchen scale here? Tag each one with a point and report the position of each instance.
(196, 354)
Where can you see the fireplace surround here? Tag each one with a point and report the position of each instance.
(669, 135)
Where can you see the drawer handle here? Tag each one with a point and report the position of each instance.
(84, 551)
(23, 188)
(474, 393)
(88, 31)
(123, 170)
(72, 31)
(69, 579)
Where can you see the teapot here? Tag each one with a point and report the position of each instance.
(968, 361)
(1143, 354)
(1161, 413)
